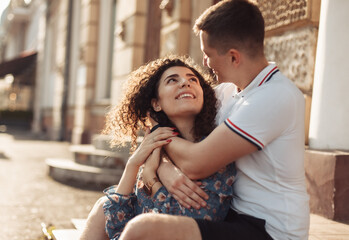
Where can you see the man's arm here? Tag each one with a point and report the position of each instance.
(202, 159)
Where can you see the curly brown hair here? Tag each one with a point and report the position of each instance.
(131, 114)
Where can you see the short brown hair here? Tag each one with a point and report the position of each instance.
(131, 115)
(235, 24)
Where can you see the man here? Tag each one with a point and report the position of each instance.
(260, 127)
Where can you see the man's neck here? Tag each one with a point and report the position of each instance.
(250, 71)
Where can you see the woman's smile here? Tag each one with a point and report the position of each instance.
(186, 96)
(179, 93)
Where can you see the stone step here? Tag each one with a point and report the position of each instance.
(79, 223)
(66, 234)
(66, 170)
(103, 142)
(70, 234)
(89, 155)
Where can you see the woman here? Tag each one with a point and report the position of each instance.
(172, 92)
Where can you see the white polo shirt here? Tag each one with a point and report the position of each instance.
(270, 183)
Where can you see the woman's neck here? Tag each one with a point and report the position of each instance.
(186, 128)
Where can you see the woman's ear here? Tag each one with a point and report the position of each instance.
(155, 105)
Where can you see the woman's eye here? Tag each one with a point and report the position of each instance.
(194, 79)
(171, 80)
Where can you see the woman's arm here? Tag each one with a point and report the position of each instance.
(118, 210)
(149, 171)
(151, 141)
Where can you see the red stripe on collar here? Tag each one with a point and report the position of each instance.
(271, 71)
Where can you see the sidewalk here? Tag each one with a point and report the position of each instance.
(28, 196)
(325, 229)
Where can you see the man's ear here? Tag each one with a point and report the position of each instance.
(155, 105)
(234, 55)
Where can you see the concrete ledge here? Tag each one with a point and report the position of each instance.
(66, 234)
(327, 175)
(79, 223)
(90, 149)
(66, 170)
(90, 155)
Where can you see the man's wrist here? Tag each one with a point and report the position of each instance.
(162, 167)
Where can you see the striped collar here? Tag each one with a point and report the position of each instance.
(263, 77)
(269, 74)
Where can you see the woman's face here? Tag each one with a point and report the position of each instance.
(179, 93)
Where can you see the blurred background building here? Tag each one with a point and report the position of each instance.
(63, 64)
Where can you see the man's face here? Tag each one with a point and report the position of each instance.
(219, 63)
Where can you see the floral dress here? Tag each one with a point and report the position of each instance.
(119, 209)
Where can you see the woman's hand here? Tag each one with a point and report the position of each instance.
(151, 141)
(185, 191)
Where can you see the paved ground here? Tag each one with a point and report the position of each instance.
(324, 229)
(28, 196)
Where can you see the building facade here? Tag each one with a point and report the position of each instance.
(85, 50)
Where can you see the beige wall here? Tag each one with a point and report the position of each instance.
(129, 42)
(291, 38)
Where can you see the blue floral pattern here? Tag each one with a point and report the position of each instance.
(119, 209)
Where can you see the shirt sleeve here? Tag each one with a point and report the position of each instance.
(119, 209)
(264, 116)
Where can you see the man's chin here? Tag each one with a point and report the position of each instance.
(219, 79)
(214, 75)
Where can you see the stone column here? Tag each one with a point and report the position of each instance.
(329, 120)
(86, 72)
(39, 84)
(198, 7)
(129, 42)
(326, 167)
(176, 27)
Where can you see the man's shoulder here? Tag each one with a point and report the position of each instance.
(223, 87)
(280, 87)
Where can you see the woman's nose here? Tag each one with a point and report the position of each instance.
(185, 83)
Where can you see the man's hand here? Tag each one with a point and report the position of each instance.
(185, 191)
